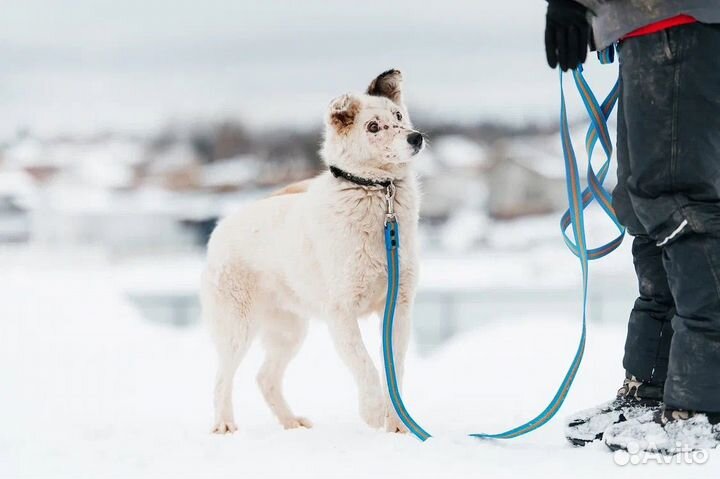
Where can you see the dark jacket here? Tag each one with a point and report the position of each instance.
(613, 19)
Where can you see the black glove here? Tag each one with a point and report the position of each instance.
(567, 31)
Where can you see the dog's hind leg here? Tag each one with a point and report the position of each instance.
(229, 356)
(227, 311)
(282, 335)
(349, 345)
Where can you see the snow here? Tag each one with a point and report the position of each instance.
(234, 171)
(177, 156)
(159, 274)
(456, 151)
(543, 153)
(642, 431)
(90, 390)
(16, 183)
(463, 230)
(104, 161)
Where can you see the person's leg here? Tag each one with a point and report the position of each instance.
(647, 344)
(693, 260)
(672, 109)
(694, 374)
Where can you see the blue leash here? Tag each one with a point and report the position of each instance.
(578, 200)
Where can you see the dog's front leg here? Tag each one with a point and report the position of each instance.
(349, 344)
(401, 340)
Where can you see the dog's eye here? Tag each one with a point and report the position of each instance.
(373, 127)
(398, 115)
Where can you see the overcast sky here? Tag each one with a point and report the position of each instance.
(87, 65)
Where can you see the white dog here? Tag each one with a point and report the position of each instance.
(316, 249)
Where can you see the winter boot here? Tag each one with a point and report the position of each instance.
(667, 431)
(634, 399)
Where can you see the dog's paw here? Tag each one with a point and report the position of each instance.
(296, 422)
(224, 427)
(373, 413)
(393, 422)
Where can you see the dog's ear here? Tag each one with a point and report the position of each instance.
(342, 113)
(389, 85)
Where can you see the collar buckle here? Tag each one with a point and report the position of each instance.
(390, 203)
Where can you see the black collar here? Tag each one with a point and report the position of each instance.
(338, 173)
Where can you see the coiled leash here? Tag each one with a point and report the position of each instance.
(578, 200)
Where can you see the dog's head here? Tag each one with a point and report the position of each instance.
(370, 134)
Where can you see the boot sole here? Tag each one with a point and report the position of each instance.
(598, 437)
(584, 442)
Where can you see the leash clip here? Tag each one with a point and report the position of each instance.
(390, 202)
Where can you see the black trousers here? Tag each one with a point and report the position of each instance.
(668, 197)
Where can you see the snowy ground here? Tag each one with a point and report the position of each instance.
(91, 390)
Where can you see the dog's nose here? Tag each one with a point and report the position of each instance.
(415, 139)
